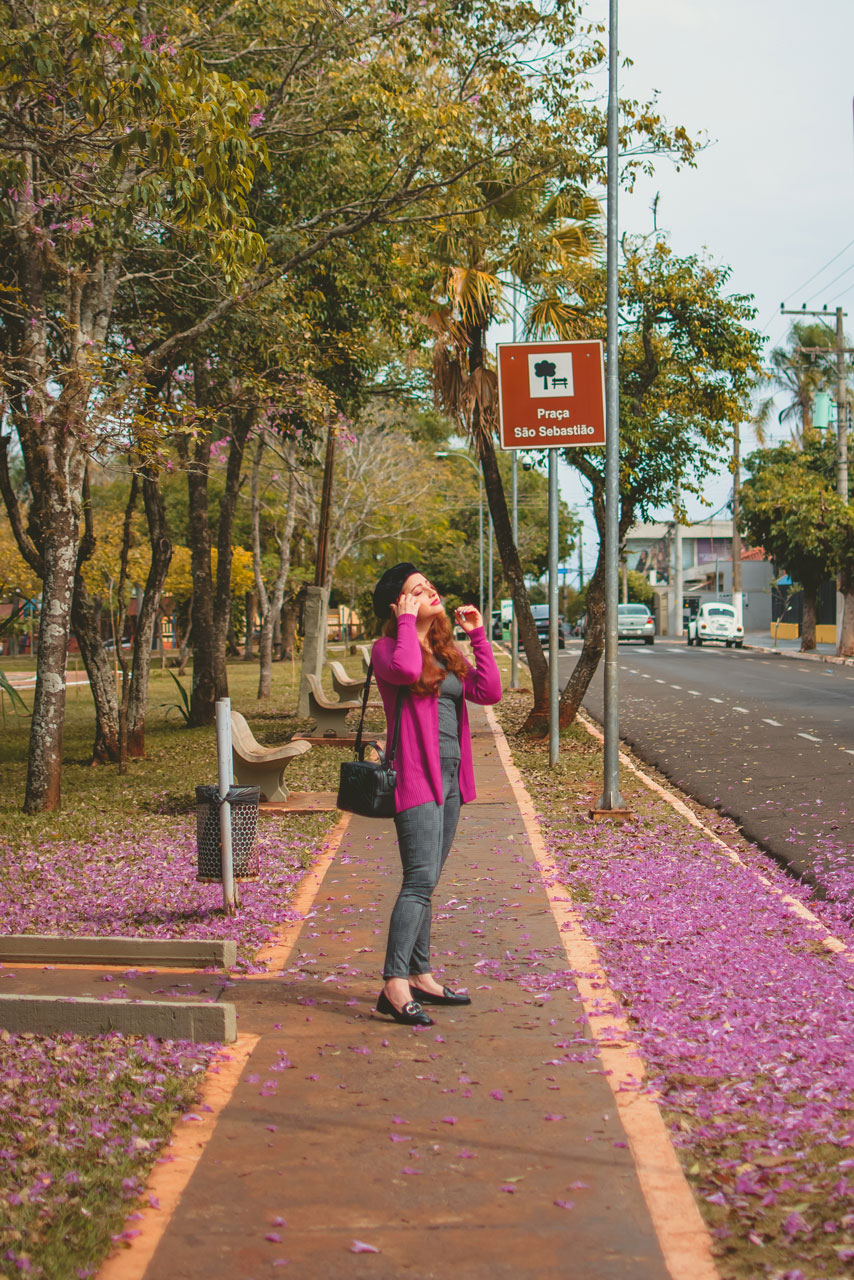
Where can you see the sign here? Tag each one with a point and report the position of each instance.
(551, 395)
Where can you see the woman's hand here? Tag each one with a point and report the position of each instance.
(407, 603)
(468, 617)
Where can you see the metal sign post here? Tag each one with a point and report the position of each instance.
(611, 803)
(551, 395)
(224, 773)
(554, 681)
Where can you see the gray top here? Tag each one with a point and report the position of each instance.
(450, 700)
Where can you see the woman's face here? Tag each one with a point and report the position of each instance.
(429, 600)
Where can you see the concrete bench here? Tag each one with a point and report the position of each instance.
(330, 717)
(345, 686)
(365, 651)
(257, 766)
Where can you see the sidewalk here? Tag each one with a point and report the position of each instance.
(762, 640)
(486, 1146)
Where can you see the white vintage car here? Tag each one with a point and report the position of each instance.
(716, 621)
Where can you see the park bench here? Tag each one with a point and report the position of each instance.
(330, 717)
(365, 651)
(345, 686)
(264, 767)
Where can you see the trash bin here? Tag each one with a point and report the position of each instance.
(244, 824)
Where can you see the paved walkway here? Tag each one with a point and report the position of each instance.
(486, 1146)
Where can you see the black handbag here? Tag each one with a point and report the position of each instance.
(366, 787)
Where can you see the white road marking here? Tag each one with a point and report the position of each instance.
(810, 737)
(715, 699)
(742, 709)
(644, 676)
(679, 651)
(676, 686)
(776, 723)
(661, 681)
(696, 692)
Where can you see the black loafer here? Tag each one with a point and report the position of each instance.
(447, 997)
(411, 1015)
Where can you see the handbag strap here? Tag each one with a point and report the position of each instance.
(395, 732)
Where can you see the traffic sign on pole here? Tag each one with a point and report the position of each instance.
(551, 395)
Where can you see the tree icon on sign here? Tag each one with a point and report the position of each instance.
(545, 369)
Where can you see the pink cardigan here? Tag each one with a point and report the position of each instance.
(398, 662)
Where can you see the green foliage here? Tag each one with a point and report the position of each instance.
(456, 564)
(639, 590)
(789, 507)
(132, 136)
(18, 704)
(799, 373)
(689, 361)
(183, 708)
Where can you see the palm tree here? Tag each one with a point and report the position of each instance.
(799, 374)
(525, 237)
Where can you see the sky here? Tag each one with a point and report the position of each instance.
(770, 84)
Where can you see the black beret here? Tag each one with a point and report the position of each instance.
(390, 586)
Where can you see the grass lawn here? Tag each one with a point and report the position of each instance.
(119, 857)
(82, 1120)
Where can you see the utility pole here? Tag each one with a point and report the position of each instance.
(611, 802)
(489, 591)
(841, 409)
(514, 622)
(841, 390)
(737, 598)
(678, 572)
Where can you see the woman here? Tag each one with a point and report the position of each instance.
(416, 659)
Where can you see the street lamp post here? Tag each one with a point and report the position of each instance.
(611, 802)
(455, 453)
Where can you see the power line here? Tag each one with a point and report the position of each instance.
(814, 276)
(827, 264)
(825, 287)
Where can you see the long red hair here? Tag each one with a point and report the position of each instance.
(439, 643)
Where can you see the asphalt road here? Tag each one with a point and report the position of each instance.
(768, 741)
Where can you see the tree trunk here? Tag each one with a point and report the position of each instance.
(85, 619)
(594, 637)
(232, 648)
(59, 546)
(118, 634)
(810, 594)
(270, 603)
(592, 648)
(204, 691)
(242, 422)
(149, 612)
(290, 615)
(845, 624)
(537, 722)
(250, 605)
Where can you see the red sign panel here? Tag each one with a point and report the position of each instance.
(551, 395)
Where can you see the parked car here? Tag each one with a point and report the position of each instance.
(635, 622)
(541, 620)
(497, 625)
(716, 621)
